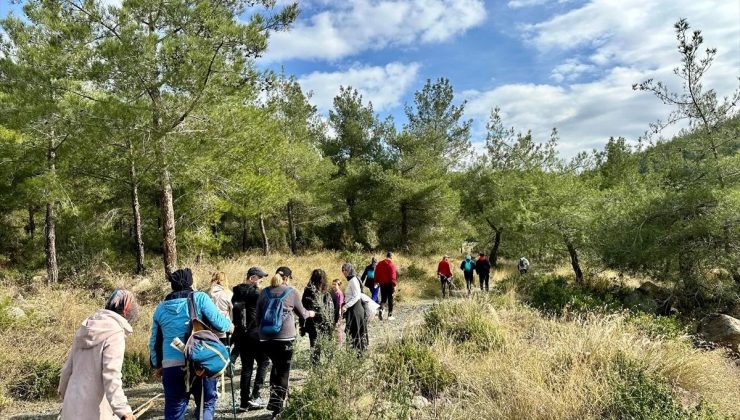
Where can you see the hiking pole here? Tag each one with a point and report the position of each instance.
(146, 406)
(231, 376)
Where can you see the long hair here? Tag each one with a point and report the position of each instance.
(220, 278)
(319, 281)
(277, 280)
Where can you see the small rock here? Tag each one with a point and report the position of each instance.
(721, 328)
(15, 312)
(420, 402)
(642, 301)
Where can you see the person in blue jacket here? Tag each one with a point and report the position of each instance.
(368, 279)
(172, 320)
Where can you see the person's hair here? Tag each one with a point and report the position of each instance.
(349, 269)
(319, 280)
(123, 303)
(220, 278)
(374, 260)
(389, 255)
(277, 280)
(337, 282)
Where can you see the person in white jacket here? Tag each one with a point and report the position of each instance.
(221, 296)
(354, 309)
(90, 383)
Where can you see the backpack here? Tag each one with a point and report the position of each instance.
(272, 315)
(468, 265)
(203, 349)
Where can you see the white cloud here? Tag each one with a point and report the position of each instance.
(625, 42)
(383, 86)
(354, 26)
(518, 4)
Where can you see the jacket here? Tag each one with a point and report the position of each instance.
(291, 304)
(322, 305)
(482, 266)
(338, 300)
(245, 311)
(171, 319)
(385, 273)
(443, 268)
(472, 266)
(222, 299)
(368, 277)
(90, 382)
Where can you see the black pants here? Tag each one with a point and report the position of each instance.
(386, 295)
(251, 351)
(446, 283)
(469, 281)
(281, 355)
(483, 277)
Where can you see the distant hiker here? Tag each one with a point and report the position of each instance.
(221, 297)
(386, 277)
(90, 382)
(355, 310)
(468, 268)
(368, 280)
(523, 265)
(276, 305)
(247, 339)
(171, 320)
(316, 297)
(338, 297)
(483, 268)
(444, 273)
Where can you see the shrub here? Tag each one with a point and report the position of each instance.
(657, 327)
(414, 361)
(136, 369)
(468, 322)
(38, 380)
(640, 395)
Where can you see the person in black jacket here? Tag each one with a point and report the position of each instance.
(368, 280)
(483, 268)
(316, 297)
(246, 338)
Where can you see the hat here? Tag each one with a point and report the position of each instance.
(256, 271)
(284, 271)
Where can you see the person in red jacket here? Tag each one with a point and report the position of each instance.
(385, 277)
(444, 272)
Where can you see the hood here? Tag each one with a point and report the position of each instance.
(99, 327)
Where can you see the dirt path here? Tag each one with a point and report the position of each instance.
(409, 316)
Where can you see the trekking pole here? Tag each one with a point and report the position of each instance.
(231, 376)
(146, 406)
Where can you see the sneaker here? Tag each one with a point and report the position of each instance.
(391, 318)
(257, 403)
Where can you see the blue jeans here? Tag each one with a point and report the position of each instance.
(176, 398)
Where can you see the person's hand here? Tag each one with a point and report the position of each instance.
(231, 328)
(128, 416)
(311, 314)
(158, 373)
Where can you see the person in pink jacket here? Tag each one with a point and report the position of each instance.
(90, 383)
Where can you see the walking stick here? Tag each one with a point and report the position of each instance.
(231, 376)
(146, 406)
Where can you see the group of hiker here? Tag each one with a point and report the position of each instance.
(257, 324)
(481, 266)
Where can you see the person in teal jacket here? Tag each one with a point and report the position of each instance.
(172, 320)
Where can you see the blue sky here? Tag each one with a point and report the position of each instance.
(568, 64)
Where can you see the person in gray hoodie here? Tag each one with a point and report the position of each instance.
(90, 383)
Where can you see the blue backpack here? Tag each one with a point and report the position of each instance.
(272, 315)
(468, 265)
(203, 349)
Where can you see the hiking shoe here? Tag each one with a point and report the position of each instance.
(380, 314)
(257, 403)
(391, 318)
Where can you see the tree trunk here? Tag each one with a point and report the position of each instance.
(574, 261)
(354, 223)
(494, 250)
(404, 225)
(31, 226)
(169, 240)
(265, 239)
(291, 229)
(136, 212)
(245, 233)
(52, 270)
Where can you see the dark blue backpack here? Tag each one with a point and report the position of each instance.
(272, 315)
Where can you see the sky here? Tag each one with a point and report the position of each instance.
(568, 64)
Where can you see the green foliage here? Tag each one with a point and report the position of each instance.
(136, 369)
(416, 362)
(659, 327)
(38, 380)
(638, 394)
